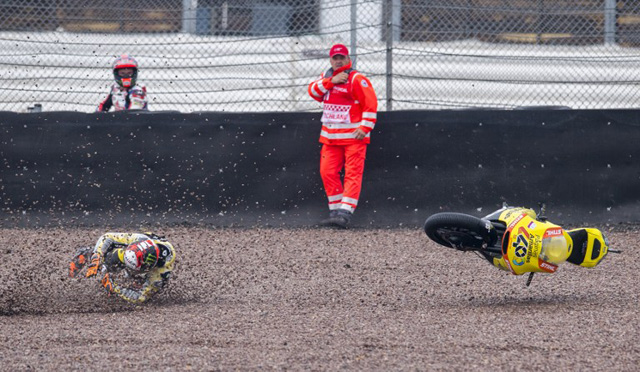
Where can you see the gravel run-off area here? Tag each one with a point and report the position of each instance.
(316, 299)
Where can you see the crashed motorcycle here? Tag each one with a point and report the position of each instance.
(519, 240)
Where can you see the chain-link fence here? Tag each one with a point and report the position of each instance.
(246, 55)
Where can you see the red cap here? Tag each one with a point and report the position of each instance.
(338, 49)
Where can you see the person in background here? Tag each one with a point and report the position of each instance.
(349, 115)
(125, 93)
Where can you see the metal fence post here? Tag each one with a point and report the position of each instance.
(354, 32)
(609, 22)
(389, 39)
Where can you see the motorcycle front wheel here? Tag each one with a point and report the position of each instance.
(460, 231)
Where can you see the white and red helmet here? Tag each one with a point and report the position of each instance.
(142, 255)
(122, 62)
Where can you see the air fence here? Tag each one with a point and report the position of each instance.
(248, 169)
(243, 55)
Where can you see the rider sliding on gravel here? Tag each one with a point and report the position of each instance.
(145, 259)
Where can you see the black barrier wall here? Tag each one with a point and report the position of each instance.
(262, 169)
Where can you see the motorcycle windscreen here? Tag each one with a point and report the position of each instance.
(555, 248)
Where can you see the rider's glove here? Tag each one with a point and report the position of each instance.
(106, 283)
(137, 99)
(92, 270)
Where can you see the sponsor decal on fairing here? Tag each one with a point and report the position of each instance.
(548, 267)
(515, 222)
(553, 232)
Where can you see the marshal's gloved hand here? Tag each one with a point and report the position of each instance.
(92, 270)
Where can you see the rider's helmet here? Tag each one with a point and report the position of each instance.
(125, 71)
(141, 256)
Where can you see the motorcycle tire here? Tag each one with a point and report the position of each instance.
(460, 231)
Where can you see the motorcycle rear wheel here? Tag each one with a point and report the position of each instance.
(460, 231)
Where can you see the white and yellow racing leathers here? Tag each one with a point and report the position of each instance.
(110, 249)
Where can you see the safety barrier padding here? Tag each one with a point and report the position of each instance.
(237, 169)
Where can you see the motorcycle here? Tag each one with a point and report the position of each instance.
(519, 240)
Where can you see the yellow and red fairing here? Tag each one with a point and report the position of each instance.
(529, 245)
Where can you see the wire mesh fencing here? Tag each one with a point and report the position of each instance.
(260, 55)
